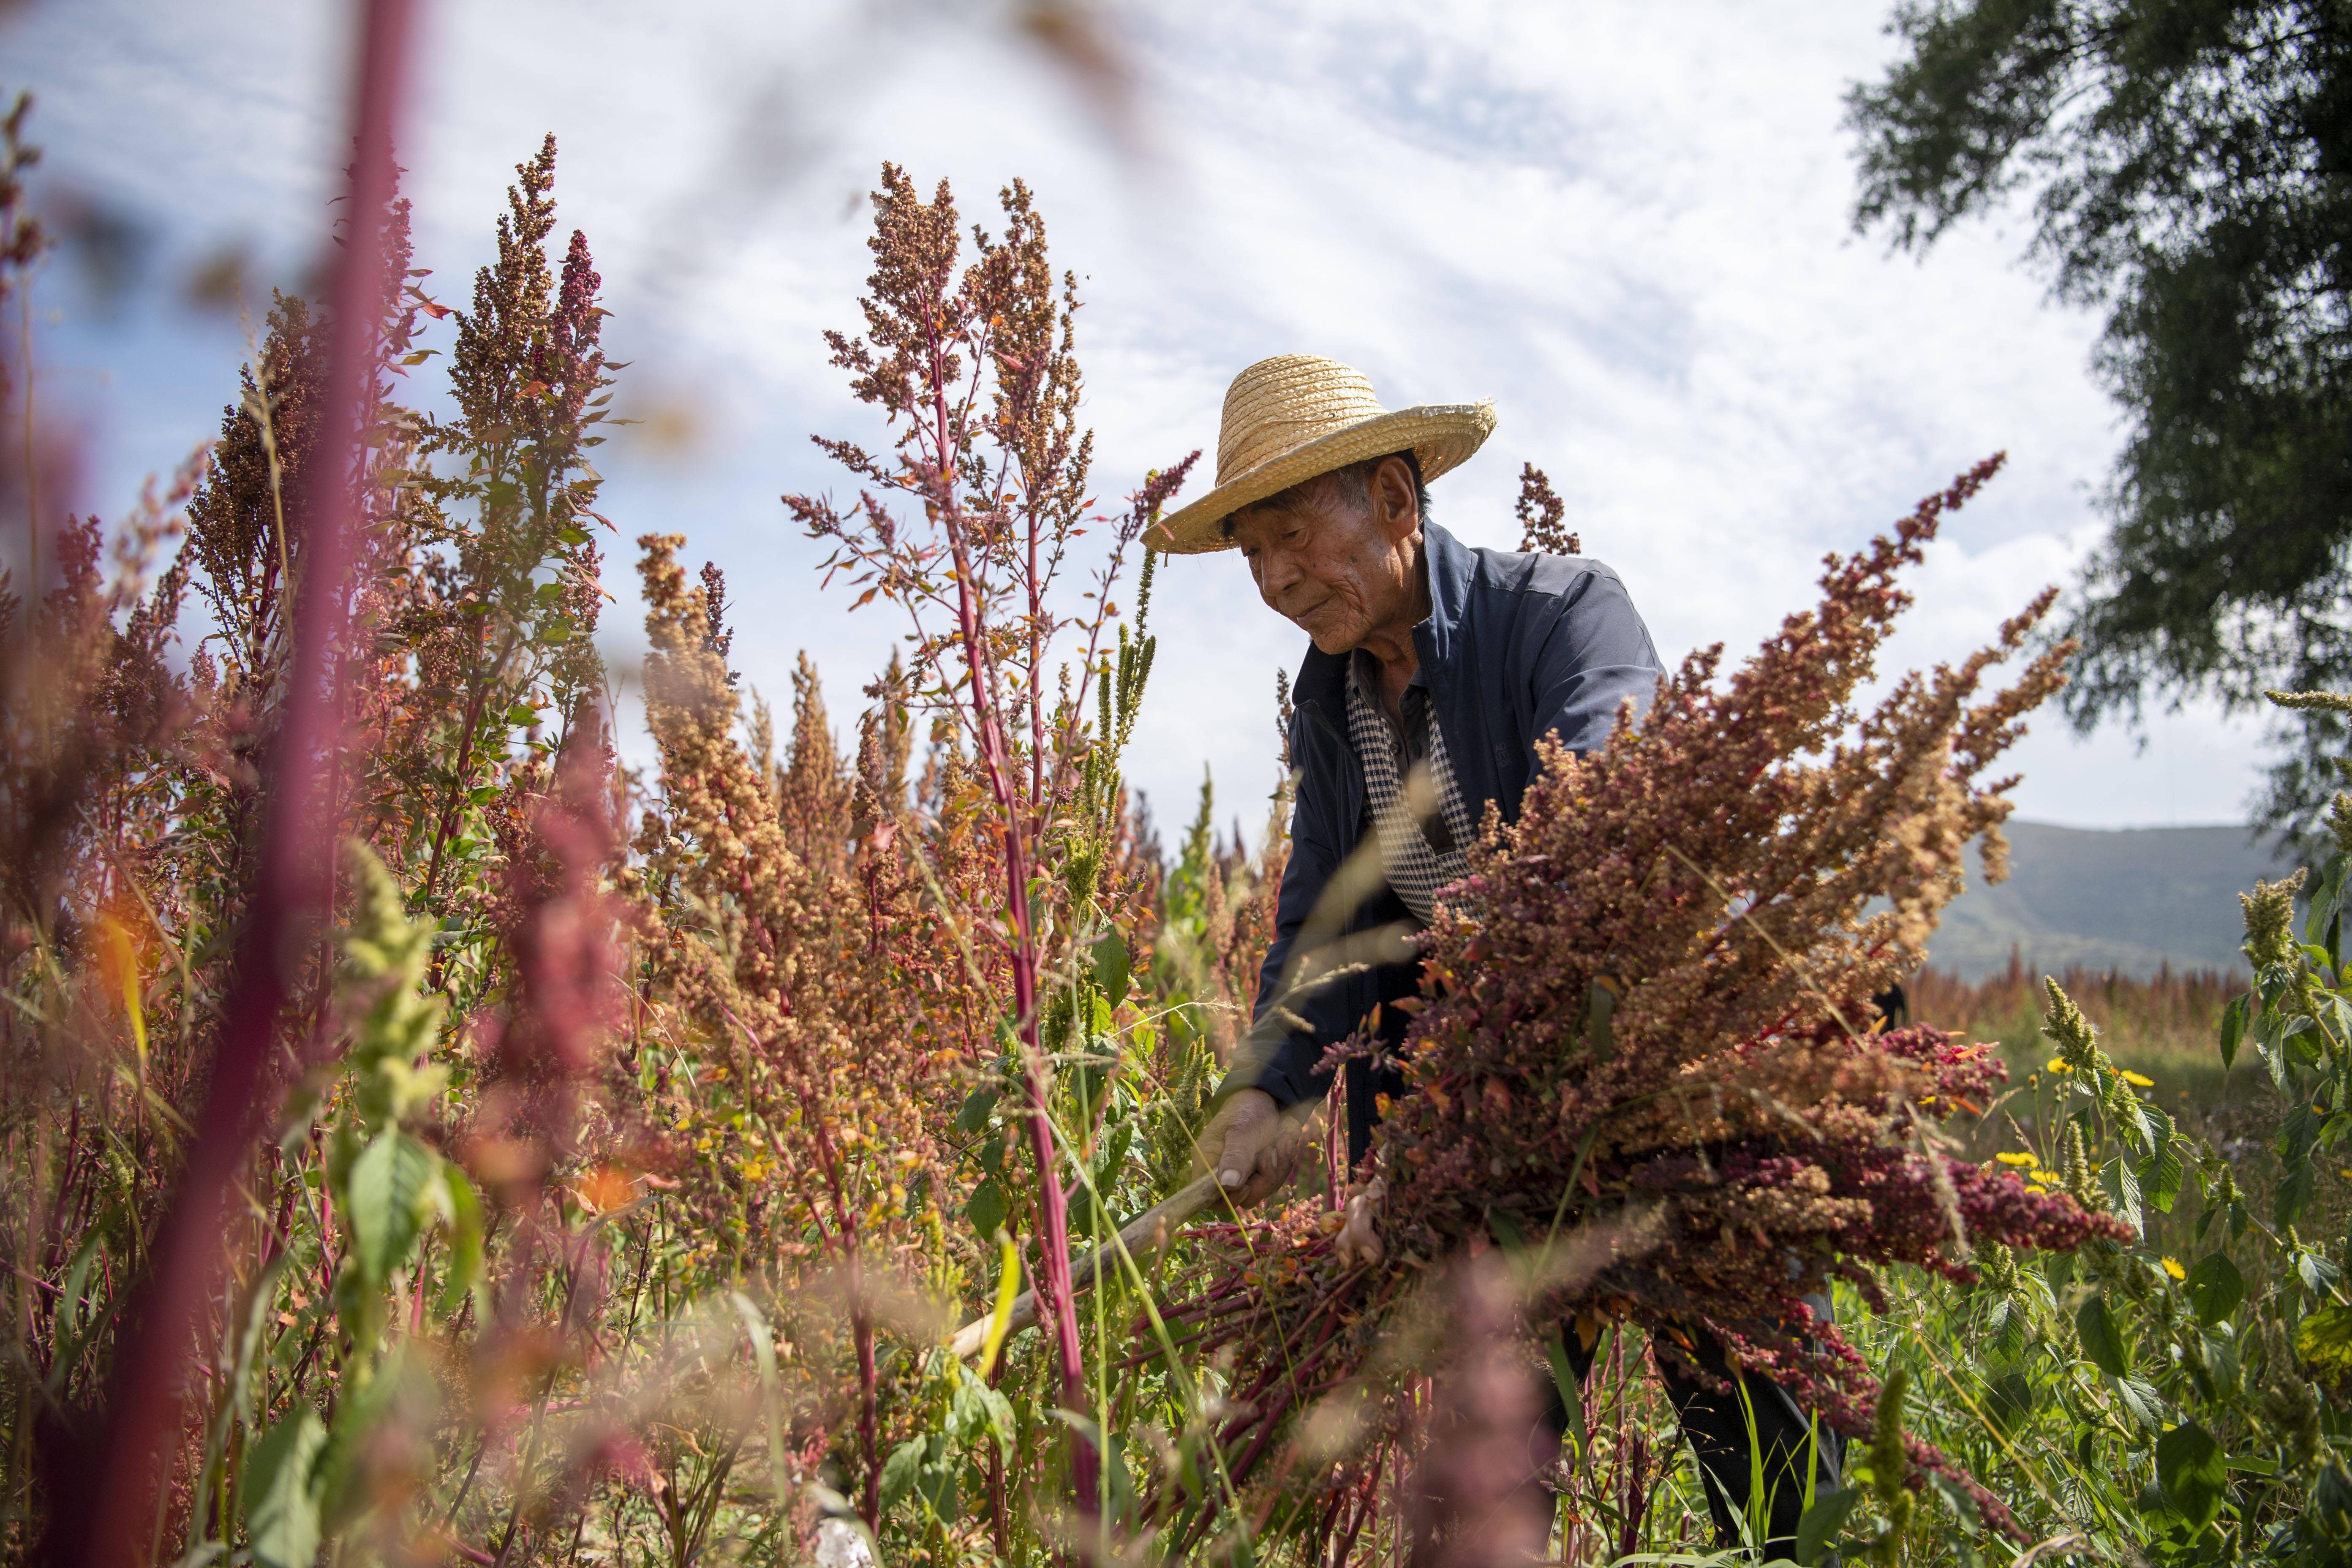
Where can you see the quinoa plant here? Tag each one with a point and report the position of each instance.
(973, 367)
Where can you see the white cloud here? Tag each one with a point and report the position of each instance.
(1626, 222)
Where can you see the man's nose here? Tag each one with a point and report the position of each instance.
(1275, 573)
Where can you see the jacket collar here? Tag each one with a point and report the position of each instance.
(1323, 676)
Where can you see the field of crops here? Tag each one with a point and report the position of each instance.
(428, 1140)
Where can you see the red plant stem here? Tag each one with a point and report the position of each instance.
(1037, 803)
(1053, 1287)
(447, 822)
(146, 1404)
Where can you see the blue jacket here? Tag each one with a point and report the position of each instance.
(1516, 647)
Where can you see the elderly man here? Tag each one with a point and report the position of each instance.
(1435, 669)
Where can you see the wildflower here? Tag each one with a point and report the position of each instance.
(2173, 1266)
(2137, 1080)
(2017, 1159)
(2056, 1064)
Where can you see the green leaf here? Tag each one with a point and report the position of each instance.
(2294, 1195)
(2122, 1184)
(2324, 1341)
(2326, 899)
(465, 1276)
(2188, 1468)
(2214, 1288)
(2162, 1173)
(523, 715)
(1571, 1390)
(1112, 963)
(902, 1469)
(2009, 1399)
(935, 1484)
(1111, 1159)
(2133, 1121)
(2338, 1129)
(977, 1105)
(2102, 1343)
(281, 1498)
(980, 1414)
(2139, 1397)
(2233, 1030)
(78, 1281)
(1822, 1522)
(391, 1188)
(2298, 1133)
(987, 1208)
(2316, 1273)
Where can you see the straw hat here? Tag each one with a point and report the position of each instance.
(1297, 416)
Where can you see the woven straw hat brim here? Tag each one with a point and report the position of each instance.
(1442, 435)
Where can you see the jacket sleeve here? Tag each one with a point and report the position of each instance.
(1595, 655)
(1276, 1056)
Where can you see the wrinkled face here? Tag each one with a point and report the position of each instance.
(1338, 566)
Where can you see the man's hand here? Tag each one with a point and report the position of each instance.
(1359, 1233)
(1251, 1147)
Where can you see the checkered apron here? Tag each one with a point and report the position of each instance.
(1414, 869)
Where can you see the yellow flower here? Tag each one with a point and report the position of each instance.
(2173, 1266)
(2056, 1064)
(2037, 1189)
(2019, 1160)
(2137, 1080)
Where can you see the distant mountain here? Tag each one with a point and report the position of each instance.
(2129, 899)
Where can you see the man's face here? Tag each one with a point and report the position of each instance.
(1335, 566)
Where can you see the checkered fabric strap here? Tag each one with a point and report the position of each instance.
(1414, 869)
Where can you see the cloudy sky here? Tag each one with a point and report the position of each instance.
(1626, 222)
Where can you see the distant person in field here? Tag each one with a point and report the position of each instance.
(1435, 669)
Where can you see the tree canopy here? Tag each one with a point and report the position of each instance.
(2190, 168)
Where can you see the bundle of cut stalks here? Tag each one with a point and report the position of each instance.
(1646, 1063)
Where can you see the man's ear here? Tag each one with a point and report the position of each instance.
(1396, 510)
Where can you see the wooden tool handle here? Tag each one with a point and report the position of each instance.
(1147, 1230)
